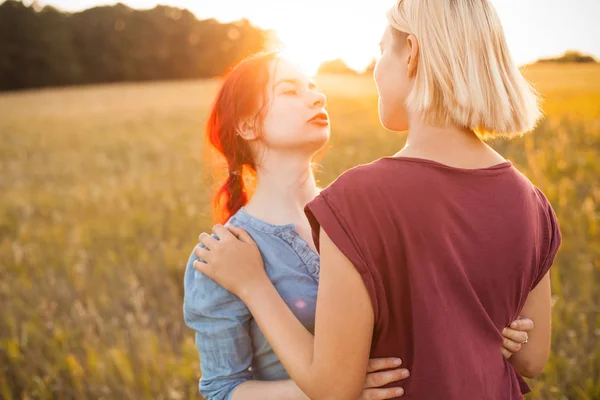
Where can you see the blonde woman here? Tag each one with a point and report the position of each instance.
(442, 242)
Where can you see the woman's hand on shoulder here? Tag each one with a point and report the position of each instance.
(232, 259)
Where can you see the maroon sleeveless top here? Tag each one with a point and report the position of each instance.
(448, 256)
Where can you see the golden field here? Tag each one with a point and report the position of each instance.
(104, 192)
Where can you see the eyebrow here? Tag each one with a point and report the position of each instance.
(311, 84)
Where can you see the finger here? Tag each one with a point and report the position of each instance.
(377, 364)
(522, 324)
(511, 346)
(378, 379)
(208, 241)
(202, 267)
(241, 234)
(202, 253)
(507, 354)
(222, 232)
(376, 394)
(515, 336)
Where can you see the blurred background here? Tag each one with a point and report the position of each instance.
(103, 188)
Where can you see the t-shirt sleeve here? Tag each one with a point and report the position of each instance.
(336, 211)
(552, 239)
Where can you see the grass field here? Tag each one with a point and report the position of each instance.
(103, 194)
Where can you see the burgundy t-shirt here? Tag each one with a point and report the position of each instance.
(448, 256)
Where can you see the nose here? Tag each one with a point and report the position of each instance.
(319, 99)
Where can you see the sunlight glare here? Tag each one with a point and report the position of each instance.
(329, 35)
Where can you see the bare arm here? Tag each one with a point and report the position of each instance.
(343, 306)
(533, 355)
(263, 390)
(274, 315)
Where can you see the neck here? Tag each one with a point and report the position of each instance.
(452, 145)
(285, 183)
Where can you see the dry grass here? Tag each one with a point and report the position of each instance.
(104, 193)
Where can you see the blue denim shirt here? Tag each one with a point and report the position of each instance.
(232, 348)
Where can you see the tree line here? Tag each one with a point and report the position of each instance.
(42, 47)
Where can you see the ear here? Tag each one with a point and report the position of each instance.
(246, 129)
(413, 58)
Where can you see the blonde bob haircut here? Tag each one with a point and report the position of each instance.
(465, 75)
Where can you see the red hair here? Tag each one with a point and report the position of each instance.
(242, 96)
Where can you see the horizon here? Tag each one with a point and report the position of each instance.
(531, 34)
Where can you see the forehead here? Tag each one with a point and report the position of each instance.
(284, 69)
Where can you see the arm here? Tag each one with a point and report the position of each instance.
(261, 390)
(381, 371)
(533, 355)
(343, 307)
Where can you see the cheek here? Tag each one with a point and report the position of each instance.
(392, 89)
(388, 77)
(275, 118)
(281, 121)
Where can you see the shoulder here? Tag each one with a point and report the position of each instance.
(552, 232)
(204, 297)
(548, 220)
(358, 179)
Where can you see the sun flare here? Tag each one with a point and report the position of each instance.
(327, 38)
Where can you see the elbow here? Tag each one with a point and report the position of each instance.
(531, 369)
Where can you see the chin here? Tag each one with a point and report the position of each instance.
(321, 141)
(395, 127)
(316, 140)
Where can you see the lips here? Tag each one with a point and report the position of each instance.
(320, 118)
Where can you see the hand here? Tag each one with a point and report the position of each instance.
(515, 336)
(377, 379)
(232, 260)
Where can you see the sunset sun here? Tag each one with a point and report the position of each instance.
(311, 38)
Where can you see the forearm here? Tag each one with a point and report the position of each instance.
(263, 390)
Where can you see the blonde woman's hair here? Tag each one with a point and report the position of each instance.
(466, 75)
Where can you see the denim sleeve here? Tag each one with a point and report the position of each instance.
(221, 322)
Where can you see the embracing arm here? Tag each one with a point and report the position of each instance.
(270, 306)
(343, 329)
(533, 355)
(262, 390)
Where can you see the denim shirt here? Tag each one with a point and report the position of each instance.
(232, 348)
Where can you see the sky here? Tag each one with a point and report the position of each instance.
(533, 28)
